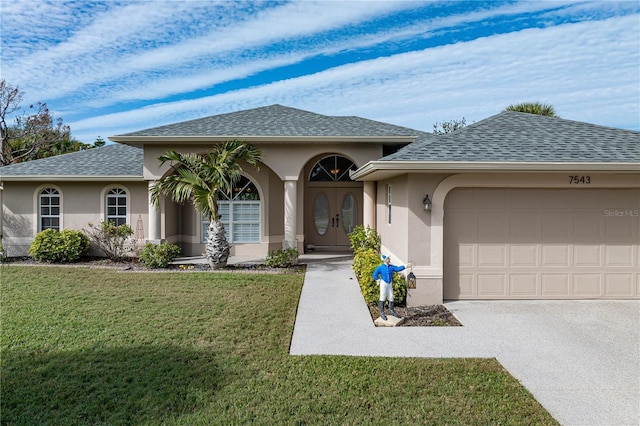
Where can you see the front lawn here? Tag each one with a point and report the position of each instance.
(98, 346)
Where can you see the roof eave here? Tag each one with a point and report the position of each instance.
(376, 170)
(70, 178)
(142, 140)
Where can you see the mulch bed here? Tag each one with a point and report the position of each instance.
(421, 316)
(128, 265)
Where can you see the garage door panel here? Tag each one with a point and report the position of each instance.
(466, 256)
(492, 229)
(529, 200)
(619, 285)
(523, 256)
(491, 256)
(524, 228)
(560, 199)
(555, 285)
(587, 285)
(555, 255)
(489, 199)
(467, 285)
(463, 198)
(585, 255)
(542, 244)
(491, 285)
(619, 199)
(619, 256)
(556, 227)
(523, 285)
(588, 227)
(620, 229)
(466, 225)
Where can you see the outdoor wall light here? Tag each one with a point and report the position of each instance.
(427, 203)
(411, 280)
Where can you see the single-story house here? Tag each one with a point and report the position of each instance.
(515, 206)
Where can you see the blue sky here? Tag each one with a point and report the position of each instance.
(112, 67)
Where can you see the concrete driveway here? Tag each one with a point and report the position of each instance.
(579, 359)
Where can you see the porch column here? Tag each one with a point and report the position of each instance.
(369, 204)
(154, 219)
(290, 214)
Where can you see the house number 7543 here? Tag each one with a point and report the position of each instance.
(580, 180)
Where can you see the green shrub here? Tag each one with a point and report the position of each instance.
(282, 258)
(158, 255)
(362, 238)
(52, 246)
(364, 263)
(111, 239)
(366, 249)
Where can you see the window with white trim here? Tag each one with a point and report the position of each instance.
(239, 211)
(389, 204)
(116, 205)
(49, 209)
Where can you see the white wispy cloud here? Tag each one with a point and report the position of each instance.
(473, 79)
(87, 58)
(124, 42)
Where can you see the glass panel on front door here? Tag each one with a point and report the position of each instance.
(349, 213)
(321, 213)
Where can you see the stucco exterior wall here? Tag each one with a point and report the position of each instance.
(281, 162)
(394, 234)
(419, 220)
(81, 203)
(171, 214)
(286, 160)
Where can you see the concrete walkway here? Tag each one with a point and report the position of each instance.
(580, 359)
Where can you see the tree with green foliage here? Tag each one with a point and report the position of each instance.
(199, 179)
(537, 108)
(33, 135)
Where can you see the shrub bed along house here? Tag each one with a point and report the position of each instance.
(52, 246)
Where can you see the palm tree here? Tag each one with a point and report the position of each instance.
(533, 108)
(198, 178)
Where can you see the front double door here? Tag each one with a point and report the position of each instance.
(331, 214)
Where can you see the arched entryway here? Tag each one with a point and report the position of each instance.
(333, 202)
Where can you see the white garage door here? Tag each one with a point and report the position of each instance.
(542, 244)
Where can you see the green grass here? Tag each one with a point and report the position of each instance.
(87, 346)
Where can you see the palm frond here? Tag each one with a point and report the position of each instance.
(198, 177)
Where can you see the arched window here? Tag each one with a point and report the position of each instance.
(333, 168)
(239, 209)
(116, 203)
(49, 209)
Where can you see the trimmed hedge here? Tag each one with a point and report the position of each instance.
(158, 255)
(365, 243)
(52, 246)
(283, 258)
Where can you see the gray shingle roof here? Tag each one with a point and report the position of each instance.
(277, 120)
(519, 137)
(109, 160)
